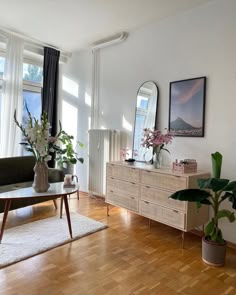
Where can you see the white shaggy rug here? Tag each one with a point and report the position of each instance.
(27, 240)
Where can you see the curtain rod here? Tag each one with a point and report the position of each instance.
(34, 42)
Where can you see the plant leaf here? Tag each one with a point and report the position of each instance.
(217, 236)
(205, 202)
(204, 183)
(213, 183)
(81, 160)
(191, 195)
(209, 228)
(231, 186)
(226, 213)
(232, 199)
(73, 160)
(216, 159)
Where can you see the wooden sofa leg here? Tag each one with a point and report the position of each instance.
(55, 203)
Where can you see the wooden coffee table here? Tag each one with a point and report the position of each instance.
(55, 190)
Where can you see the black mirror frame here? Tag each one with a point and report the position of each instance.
(157, 98)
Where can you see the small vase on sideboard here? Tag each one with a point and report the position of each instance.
(157, 159)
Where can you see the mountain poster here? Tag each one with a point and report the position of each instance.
(187, 105)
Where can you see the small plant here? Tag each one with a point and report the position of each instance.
(125, 152)
(66, 153)
(213, 192)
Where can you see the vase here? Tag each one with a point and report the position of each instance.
(40, 184)
(157, 160)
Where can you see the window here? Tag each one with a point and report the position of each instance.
(32, 89)
(2, 62)
(32, 92)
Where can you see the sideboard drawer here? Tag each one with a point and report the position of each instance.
(166, 181)
(123, 187)
(170, 217)
(161, 197)
(128, 202)
(121, 172)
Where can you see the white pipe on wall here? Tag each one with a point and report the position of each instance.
(96, 46)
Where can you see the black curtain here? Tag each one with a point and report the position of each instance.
(50, 89)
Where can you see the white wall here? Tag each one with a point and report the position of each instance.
(78, 92)
(200, 42)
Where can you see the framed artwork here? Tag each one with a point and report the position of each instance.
(187, 107)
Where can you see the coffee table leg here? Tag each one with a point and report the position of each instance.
(67, 214)
(7, 207)
(61, 207)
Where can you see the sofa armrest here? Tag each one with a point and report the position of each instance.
(55, 175)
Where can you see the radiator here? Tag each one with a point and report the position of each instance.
(104, 146)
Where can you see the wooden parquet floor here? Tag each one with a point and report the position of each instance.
(127, 258)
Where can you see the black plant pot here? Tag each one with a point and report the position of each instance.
(213, 253)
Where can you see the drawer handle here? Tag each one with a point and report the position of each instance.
(111, 191)
(148, 171)
(176, 211)
(133, 183)
(132, 198)
(147, 186)
(146, 202)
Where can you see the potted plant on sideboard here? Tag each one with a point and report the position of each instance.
(67, 156)
(213, 192)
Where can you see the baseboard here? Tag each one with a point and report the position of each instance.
(199, 233)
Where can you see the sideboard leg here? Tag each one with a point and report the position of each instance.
(183, 236)
(108, 210)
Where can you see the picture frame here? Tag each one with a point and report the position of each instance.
(187, 107)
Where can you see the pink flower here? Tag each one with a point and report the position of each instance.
(156, 139)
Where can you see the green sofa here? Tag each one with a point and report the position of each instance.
(17, 172)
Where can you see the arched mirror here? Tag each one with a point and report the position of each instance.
(145, 117)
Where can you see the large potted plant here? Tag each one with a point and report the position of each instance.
(212, 192)
(66, 153)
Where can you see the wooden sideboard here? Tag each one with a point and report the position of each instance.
(144, 190)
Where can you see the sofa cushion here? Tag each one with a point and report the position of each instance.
(16, 169)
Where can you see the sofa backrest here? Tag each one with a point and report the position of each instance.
(16, 169)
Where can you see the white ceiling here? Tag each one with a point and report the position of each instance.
(76, 24)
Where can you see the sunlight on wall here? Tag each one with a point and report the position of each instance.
(126, 125)
(69, 119)
(87, 99)
(70, 86)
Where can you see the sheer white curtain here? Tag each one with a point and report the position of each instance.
(12, 98)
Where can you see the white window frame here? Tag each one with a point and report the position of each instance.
(2, 54)
(32, 86)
